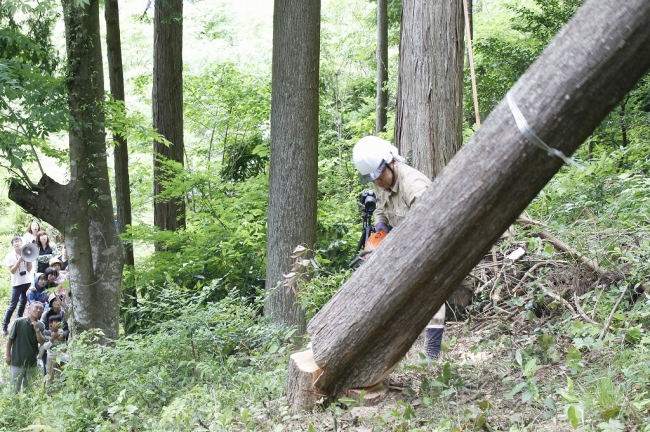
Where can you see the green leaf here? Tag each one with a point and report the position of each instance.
(610, 413)
(549, 403)
(531, 367)
(573, 417)
(548, 250)
(516, 390)
(527, 395)
(611, 425)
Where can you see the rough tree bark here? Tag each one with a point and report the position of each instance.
(120, 150)
(428, 123)
(167, 104)
(382, 66)
(373, 320)
(294, 148)
(82, 209)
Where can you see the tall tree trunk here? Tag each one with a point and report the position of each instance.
(470, 13)
(120, 150)
(621, 114)
(428, 123)
(82, 209)
(167, 101)
(382, 66)
(375, 317)
(294, 148)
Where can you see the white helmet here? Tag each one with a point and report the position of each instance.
(371, 154)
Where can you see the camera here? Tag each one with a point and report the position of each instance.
(368, 201)
(23, 273)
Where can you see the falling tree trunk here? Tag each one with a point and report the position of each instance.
(82, 209)
(294, 148)
(120, 150)
(167, 101)
(376, 316)
(382, 66)
(428, 124)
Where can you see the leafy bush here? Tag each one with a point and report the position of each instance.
(192, 371)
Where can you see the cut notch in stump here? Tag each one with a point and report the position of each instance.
(303, 372)
(303, 396)
(371, 395)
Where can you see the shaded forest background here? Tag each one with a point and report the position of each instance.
(198, 348)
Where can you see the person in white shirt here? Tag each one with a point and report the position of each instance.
(30, 233)
(20, 281)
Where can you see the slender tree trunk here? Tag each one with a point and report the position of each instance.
(120, 150)
(376, 316)
(382, 66)
(428, 124)
(82, 209)
(294, 148)
(167, 101)
(621, 114)
(470, 12)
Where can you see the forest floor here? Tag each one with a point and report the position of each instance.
(530, 354)
(527, 358)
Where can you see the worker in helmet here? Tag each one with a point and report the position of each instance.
(397, 187)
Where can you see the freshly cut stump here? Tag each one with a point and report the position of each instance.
(303, 371)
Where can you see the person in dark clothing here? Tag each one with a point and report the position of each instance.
(22, 347)
(61, 333)
(43, 285)
(46, 250)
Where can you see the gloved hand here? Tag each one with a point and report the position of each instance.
(382, 227)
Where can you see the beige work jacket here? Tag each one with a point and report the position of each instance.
(394, 203)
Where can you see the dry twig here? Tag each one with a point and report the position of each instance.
(611, 314)
(582, 313)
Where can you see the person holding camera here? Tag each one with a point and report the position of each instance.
(397, 186)
(20, 281)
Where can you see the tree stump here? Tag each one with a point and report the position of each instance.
(303, 371)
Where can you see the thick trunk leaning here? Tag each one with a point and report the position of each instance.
(372, 321)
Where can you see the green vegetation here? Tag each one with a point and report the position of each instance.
(202, 357)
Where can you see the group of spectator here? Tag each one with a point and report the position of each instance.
(40, 286)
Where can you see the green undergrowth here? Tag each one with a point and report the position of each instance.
(216, 366)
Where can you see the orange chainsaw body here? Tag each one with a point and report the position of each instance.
(373, 242)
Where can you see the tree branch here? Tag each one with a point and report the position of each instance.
(43, 201)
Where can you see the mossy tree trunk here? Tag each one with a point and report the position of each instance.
(82, 208)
